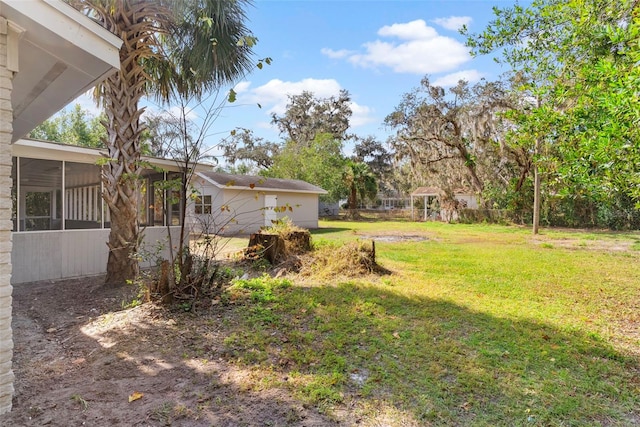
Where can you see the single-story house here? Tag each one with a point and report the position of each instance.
(240, 204)
(60, 221)
(49, 54)
(432, 202)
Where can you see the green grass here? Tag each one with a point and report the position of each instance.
(477, 325)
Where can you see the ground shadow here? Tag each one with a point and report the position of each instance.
(361, 348)
(73, 367)
(439, 362)
(328, 230)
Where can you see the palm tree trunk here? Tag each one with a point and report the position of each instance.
(121, 93)
(121, 177)
(353, 198)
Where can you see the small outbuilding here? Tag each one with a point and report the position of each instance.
(229, 204)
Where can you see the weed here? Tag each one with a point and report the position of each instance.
(162, 413)
(78, 399)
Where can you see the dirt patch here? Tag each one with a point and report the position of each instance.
(617, 245)
(393, 238)
(79, 356)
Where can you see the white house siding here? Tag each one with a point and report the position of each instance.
(304, 208)
(50, 255)
(242, 212)
(6, 131)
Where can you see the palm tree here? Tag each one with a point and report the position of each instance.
(169, 47)
(361, 183)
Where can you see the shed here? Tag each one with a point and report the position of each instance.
(229, 204)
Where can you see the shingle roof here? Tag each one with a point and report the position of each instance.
(259, 183)
(434, 191)
(426, 191)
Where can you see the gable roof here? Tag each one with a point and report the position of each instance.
(259, 183)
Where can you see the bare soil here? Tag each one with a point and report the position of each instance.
(79, 358)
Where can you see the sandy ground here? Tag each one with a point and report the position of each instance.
(75, 366)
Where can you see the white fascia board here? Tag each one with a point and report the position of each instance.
(70, 25)
(45, 150)
(257, 188)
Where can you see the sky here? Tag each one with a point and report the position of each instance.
(376, 50)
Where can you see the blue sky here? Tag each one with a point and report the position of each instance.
(377, 50)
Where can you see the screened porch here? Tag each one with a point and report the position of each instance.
(60, 221)
(63, 195)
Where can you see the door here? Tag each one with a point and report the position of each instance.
(270, 214)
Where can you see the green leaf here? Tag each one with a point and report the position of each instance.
(232, 95)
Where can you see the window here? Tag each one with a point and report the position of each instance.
(39, 195)
(203, 205)
(82, 197)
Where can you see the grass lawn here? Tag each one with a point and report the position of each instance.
(475, 325)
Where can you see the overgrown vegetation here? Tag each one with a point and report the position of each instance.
(347, 259)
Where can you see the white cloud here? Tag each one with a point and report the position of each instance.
(472, 76)
(242, 87)
(453, 23)
(420, 50)
(274, 96)
(361, 116)
(335, 54)
(414, 30)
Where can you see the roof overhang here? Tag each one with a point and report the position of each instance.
(56, 54)
(257, 187)
(45, 150)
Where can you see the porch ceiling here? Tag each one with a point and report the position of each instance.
(59, 54)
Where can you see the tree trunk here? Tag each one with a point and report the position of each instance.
(536, 192)
(121, 185)
(268, 246)
(353, 198)
(475, 180)
(123, 245)
(121, 93)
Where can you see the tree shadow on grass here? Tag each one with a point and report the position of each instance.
(328, 230)
(305, 353)
(439, 362)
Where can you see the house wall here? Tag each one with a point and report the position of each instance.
(304, 208)
(50, 255)
(236, 211)
(233, 211)
(6, 133)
